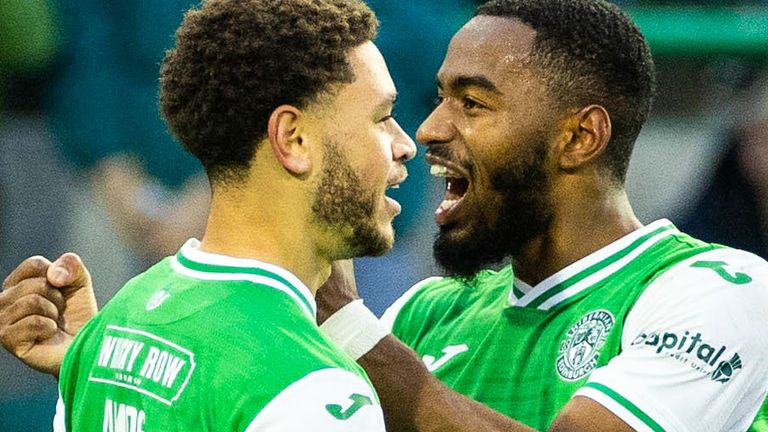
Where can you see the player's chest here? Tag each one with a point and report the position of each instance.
(499, 352)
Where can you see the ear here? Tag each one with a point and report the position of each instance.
(284, 130)
(586, 136)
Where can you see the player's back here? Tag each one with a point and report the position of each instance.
(193, 345)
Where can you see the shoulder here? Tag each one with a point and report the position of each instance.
(718, 279)
(723, 292)
(327, 399)
(692, 347)
(435, 295)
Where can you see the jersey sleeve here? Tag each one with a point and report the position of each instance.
(693, 348)
(391, 314)
(323, 401)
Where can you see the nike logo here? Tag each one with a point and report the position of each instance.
(358, 401)
(449, 352)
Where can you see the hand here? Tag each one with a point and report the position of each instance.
(337, 291)
(42, 306)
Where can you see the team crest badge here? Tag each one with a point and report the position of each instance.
(581, 346)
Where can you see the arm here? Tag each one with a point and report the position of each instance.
(42, 306)
(414, 400)
(691, 359)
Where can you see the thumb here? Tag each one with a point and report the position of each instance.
(68, 271)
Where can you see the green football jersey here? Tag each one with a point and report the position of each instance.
(666, 331)
(204, 342)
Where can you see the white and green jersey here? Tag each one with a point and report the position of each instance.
(667, 332)
(204, 342)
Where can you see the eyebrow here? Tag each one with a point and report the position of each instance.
(465, 81)
(388, 102)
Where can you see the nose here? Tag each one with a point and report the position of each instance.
(403, 147)
(436, 128)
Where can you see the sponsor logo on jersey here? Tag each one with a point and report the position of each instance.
(693, 350)
(581, 347)
(358, 401)
(143, 362)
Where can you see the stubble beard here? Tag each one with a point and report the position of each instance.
(525, 213)
(343, 207)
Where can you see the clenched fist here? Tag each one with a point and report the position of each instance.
(42, 306)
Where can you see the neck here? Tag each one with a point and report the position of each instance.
(238, 227)
(587, 221)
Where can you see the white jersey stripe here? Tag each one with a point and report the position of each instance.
(261, 280)
(603, 273)
(594, 259)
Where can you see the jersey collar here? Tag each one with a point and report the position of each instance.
(589, 270)
(193, 262)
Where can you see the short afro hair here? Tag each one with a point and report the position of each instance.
(235, 61)
(589, 52)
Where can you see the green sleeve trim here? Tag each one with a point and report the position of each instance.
(621, 400)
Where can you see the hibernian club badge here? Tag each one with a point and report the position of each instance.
(580, 348)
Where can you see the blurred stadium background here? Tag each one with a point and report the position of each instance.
(87, 165)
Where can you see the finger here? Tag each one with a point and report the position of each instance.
(31, 286)
(35, 266)
(22, 335)
(30, 305)
(68, 271)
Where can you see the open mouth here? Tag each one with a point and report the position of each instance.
(394, 183)
(456, 186)
(396, 179)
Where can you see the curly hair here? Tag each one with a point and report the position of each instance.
(589, 52)
(235, 61)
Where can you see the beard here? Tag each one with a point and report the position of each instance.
(343, 207)
(525, 212)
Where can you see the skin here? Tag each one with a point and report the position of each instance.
(368, 102)
(286, 171)
(42, 307)
(583, 199)
(491, 51)
(44, 304)
(504, 206)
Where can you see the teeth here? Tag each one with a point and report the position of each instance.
(397, 186)
(446, 204)
(438, 170)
